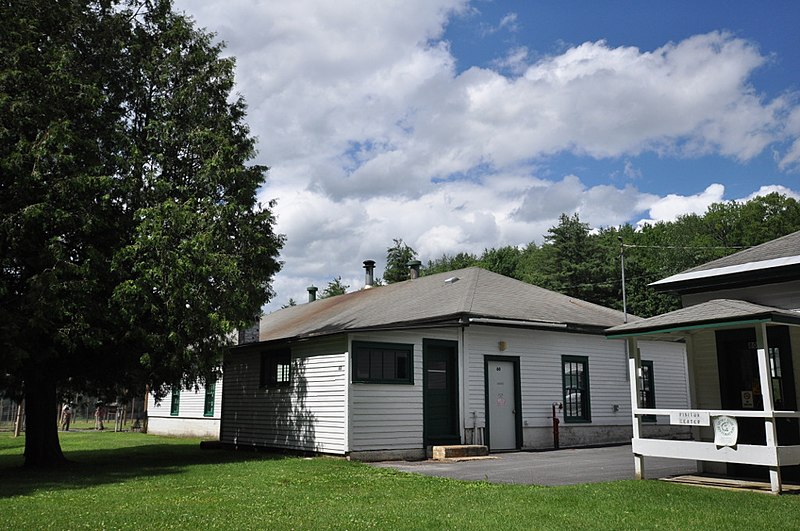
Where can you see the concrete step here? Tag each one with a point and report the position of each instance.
(455, 451)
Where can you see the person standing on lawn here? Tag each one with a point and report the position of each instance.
(66, 416)
(99, 413)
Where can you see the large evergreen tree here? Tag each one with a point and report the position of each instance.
(130, 237)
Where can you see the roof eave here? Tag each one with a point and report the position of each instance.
(711, 323)
(728, 281)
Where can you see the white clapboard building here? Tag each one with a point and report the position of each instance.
(465, 357)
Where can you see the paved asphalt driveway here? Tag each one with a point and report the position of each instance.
(558, 467)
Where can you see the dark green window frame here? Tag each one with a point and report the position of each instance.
(576, 388)
(211, 394)
(175, 404)
(382, 363)
(276, 368)
(647, 384)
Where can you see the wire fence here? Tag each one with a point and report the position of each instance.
(8, 414)
(115, 417)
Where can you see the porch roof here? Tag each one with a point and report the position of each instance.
(716, 313)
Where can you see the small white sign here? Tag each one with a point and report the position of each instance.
(747, 399)
(726, 431)
(690, 418)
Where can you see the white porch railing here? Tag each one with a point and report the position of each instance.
(772, 456)
(749, 413)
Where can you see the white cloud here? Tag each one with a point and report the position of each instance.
(631, 171)
(601, 205)
(373, 133)
(514, 62)
(672, 206)
(769, 189)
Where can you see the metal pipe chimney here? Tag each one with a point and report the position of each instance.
(369, 276)
(312, 293)
(414, 268)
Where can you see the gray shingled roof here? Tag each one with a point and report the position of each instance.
(718, 311)
(782, 247)
(773, 258)
(434, 299)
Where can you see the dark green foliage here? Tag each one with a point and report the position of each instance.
(335, 287)
(130, 238)
(397, 258)
(503, 261)
(450, 263)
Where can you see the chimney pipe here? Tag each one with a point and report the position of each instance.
(414, 266)
(312, 293)
(369, 277)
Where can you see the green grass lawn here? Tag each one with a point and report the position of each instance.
(135, 481)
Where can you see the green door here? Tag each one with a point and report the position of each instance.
(440, 392)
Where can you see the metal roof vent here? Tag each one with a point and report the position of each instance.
(369, 276)
(414, 266)
(451, 280)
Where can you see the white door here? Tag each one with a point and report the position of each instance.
(502, 405)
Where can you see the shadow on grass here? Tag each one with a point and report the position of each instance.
(99, 466)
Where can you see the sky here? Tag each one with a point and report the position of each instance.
(460, 125)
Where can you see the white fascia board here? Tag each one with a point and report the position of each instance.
(729, 270)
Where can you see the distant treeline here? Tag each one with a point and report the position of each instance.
(585, 263)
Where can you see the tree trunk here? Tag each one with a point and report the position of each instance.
(42, 447)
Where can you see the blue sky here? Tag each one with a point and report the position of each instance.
(549, 27)
(463, 125)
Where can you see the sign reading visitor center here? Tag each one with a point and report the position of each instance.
(690, 418)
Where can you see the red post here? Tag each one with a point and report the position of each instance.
(555, 425)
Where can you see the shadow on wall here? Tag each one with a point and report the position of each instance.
(275, 416)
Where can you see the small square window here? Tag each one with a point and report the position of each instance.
(383, 363)
(276, 368)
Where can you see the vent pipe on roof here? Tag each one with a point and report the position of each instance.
(312, 293)
(369, 277)
(414, 268)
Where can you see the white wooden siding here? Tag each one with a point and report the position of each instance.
(540, 355)
(389, 416)
(308, 415)
(703, 345)
(190, 420)
(780, 295)
(670, 374)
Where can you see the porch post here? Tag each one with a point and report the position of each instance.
(634, 370)
(765, 376)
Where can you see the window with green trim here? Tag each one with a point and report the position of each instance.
(276, 368)
(648, 389)
(175, 405)
(391, 363)
(211, 392)
(575, 383)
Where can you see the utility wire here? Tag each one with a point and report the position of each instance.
(630, 245)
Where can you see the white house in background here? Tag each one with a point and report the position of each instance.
(192, 412)
(463, 357)
(186, 412)
(741, 325)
